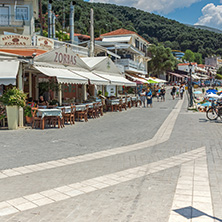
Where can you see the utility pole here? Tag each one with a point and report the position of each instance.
(71, 20)
(91, 49)
(50, 19)
(40, 15)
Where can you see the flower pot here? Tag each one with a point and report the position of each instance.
(12, 117)
(28, 119)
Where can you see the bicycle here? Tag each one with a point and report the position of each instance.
(214, 111)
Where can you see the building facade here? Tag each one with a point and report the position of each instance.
(18, 16)
(131, 48)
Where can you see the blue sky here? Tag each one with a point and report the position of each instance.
(202, 12)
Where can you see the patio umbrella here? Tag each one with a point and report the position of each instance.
(211, 95)
(197, 92)
(151, 81)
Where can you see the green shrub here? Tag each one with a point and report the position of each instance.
(14, 97)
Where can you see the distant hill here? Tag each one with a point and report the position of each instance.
(152, 27)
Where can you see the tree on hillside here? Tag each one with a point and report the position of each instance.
(162, 59)
(198, 58)
(188, 56)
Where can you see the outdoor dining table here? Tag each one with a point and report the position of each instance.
(43, 113)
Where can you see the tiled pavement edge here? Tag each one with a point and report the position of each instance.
(71, 190)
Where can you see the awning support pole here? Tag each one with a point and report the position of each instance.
(30, 84)
(60, 94)
(20, 86)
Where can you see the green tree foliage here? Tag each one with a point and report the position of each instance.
(154, 28)
(189, 56)
(198, 58)
(162, 59)
(219, 71)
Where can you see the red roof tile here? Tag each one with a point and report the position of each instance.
(186, 64)
(24, 52)
(122, 32)
(119, 32)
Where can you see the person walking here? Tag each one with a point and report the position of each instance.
(173, 91)
(162, 94)
(181, 92)
(158, 93)
(149, 97)
(143, 97)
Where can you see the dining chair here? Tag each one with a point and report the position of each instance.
(99, 109)
(92, 111)
(83, 114)
(36, 120)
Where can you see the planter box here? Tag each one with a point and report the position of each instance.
(12, 116)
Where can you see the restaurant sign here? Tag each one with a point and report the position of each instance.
(62, 56)
(15, 40)
(45, 43)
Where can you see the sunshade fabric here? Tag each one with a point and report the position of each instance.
(62, 75)
(115, 79)
(117, 39)
(94, 79)
(8, 72)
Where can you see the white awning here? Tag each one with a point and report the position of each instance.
(62, 75)
(115, 79)
(117, 39)
(8, 72)
(94, 79)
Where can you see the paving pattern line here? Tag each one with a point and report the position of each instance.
(192, 201)
(57, 194)
(162, 135)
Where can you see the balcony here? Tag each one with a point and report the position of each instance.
(11, 21)
(130, 65)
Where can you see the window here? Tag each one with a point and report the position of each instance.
(22, 12)
(137, 44)
(4, 15)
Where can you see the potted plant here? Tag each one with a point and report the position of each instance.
(28, 114)
(13, 99)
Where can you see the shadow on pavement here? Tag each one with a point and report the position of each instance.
(190, 213)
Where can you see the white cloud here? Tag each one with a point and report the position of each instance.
(212, 16)
(160, 6)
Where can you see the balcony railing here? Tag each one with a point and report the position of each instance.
(128, 63)
(11, 21)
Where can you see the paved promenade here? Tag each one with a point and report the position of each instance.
(160, 164)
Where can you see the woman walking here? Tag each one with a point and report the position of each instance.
(149, 97)
(143, 97)
(173, 91)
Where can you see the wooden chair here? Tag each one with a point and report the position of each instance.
(92, 111)
(35, 119)
(99, 109)
(124, 104)
(120, 105)
(69, 117)
(83, 114)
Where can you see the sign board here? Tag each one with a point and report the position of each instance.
(45, 43)
(61, 56)
(15, 40)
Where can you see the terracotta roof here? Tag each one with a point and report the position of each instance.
(119, 32)
(201, 65)
(122, 32)
(186, 64)
(80, 35)
(24, 52)
(98, 39)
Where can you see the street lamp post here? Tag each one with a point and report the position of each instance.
(190, 91)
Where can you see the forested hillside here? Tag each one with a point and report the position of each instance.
(152, 27)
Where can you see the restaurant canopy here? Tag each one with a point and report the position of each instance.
(8, 72)
(58, 63)
(62, 75)
(93, 79)
(105, 68)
